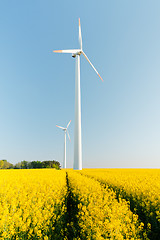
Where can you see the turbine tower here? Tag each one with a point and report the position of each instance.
(65, 130)
(77, 130)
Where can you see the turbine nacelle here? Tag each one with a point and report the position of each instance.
(65, 129)
(76, 52)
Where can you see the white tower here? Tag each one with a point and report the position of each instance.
(77, 123)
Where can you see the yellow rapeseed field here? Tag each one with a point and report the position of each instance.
(30, 202)
(100, 215)
(141, 187)
(89, 204)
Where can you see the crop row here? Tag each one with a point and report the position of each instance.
(140, 187)
(100, 215)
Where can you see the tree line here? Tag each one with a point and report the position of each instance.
(4, 164)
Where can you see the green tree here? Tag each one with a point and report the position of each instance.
(24, 164)
(17, 166)
(5, 165)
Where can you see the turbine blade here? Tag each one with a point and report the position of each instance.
(80, 35)
(67, 51)
(68, 123)
(91, 65)
(68, 136)
(60, 127)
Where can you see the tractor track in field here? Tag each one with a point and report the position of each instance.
(67, 227)
(73, 230)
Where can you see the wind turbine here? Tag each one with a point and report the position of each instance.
(77, 131)
(65, 130)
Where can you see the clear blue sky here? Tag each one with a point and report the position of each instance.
(120, 117)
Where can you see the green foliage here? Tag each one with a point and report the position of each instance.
(4, 164)
(1, 164)
(51, 164)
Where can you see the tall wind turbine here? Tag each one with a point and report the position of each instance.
(77, 131)
(65, 130)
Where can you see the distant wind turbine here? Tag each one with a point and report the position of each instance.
(77, 131)
(65, 130)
